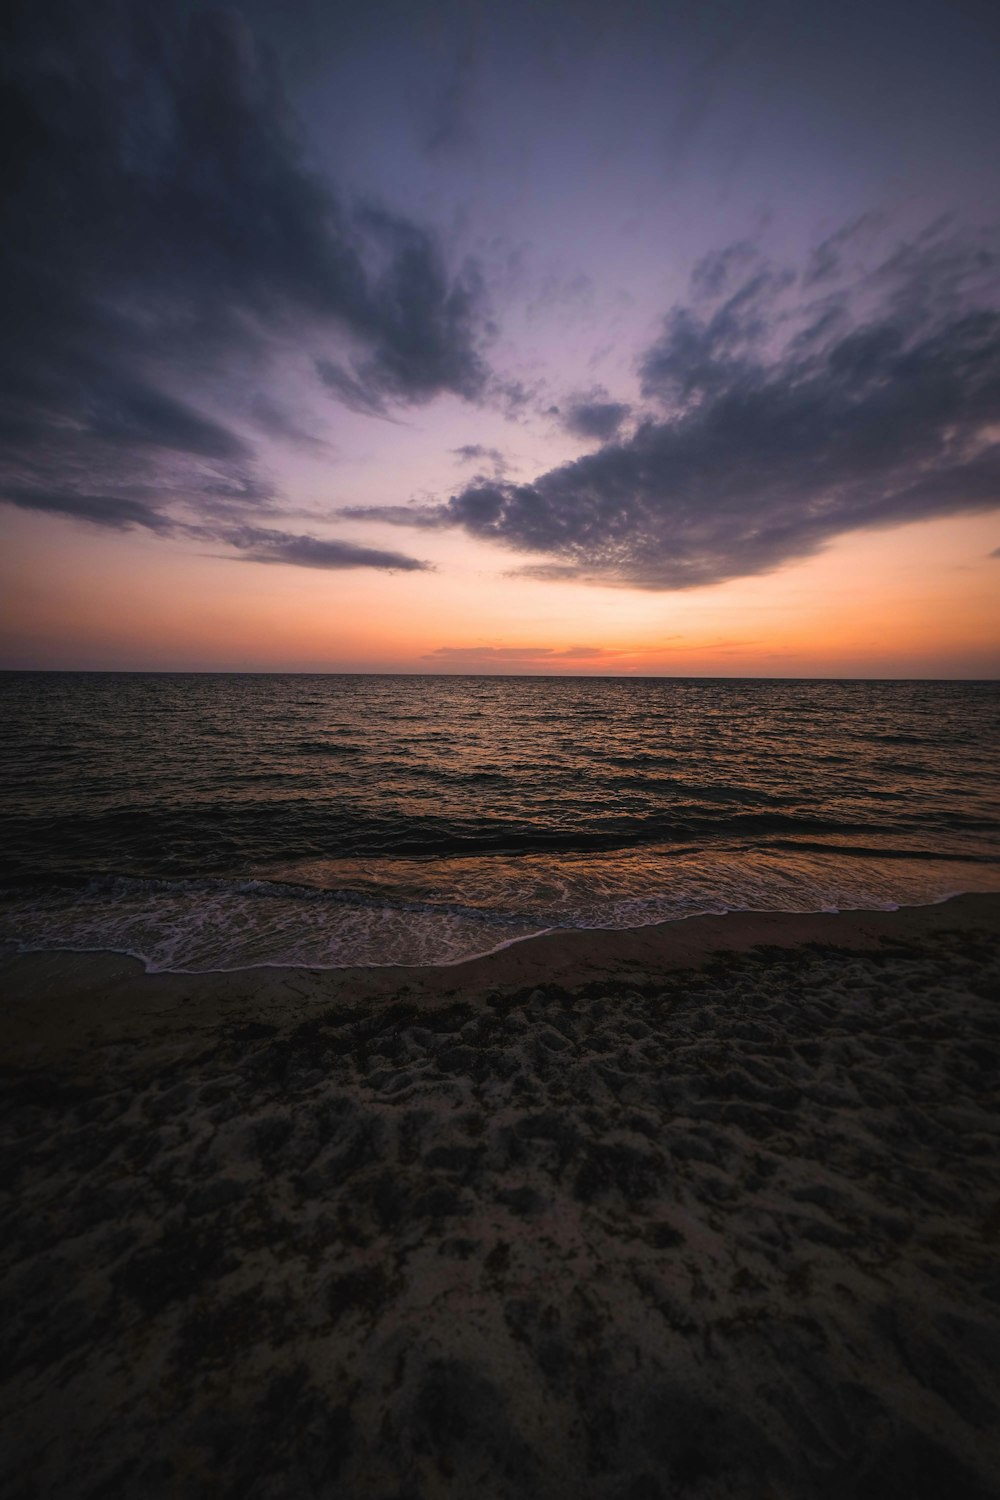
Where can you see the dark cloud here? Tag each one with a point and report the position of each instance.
(263, 545)
(353, 391)
(470, 453)
(162, 243)
(260, 544)
(722, 272)
(513, 397)
(828, 259)
(778, 420)
(594, 416)
(117, 512)
(477, 453)
(416, 323)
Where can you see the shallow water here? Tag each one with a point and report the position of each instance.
(212, 822)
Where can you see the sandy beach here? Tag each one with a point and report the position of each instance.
(706, 1209)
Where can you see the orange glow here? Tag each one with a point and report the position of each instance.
(921, 600)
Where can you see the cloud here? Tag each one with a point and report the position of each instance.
(471, 453)
(258, 544)
(777, 419)
(421, 517)
(164, 245)
(828, 259)
(594, 416)
(117, 512)
(354, 392)
(273, 418)
(486, 654)
(476, 453)
(263, 545)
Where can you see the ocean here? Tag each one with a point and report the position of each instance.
(210, 822)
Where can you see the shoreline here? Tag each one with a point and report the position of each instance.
(56, 1001)
(340, 915)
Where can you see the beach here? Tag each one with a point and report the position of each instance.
(709, 1208)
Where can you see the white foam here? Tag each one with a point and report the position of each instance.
(376, 914)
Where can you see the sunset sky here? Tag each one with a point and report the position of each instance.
(630, 339)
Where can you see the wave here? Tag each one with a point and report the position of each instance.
(327, 747)
(112, 889)
(439, 839)
(410, 911)
(225, 821)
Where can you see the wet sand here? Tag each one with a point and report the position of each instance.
(710, 1209)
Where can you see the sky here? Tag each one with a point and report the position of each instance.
(527, 337)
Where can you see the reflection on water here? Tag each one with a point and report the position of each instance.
(214, 822)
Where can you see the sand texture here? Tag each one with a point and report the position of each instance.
(730, 1229)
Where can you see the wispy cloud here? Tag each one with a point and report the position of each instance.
(265, 545)
(477, 453)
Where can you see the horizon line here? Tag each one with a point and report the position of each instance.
(543, 676)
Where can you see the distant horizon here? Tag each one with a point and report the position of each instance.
(543, 676)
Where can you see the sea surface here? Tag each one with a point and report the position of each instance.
(221, 821)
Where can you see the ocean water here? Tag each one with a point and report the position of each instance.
(221, 821)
